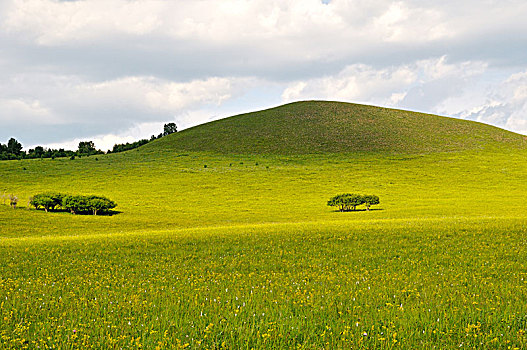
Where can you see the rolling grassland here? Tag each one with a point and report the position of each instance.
(232, 250)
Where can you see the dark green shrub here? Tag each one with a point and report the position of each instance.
(369, 200)
(47, 201)
(350, 201)
(100, 204)
(79, 204)
(76, 204)
(346, 201)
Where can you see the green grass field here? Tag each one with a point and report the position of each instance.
(244, 253)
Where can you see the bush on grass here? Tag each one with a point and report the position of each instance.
(350, 201)
(76, 204)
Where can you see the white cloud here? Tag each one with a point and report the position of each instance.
(400, 21)
(503, 104)
(69, 105)
(295, 91)
(149, 96)
(303, 27)
(97, 67)
(157, 95)
(53, 22)
(391, 86)
(282, 30)
(18, 110)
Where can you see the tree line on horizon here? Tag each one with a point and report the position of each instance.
(13, 150)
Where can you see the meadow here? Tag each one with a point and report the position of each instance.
(248, 255)
(163, 190)
(237, 251)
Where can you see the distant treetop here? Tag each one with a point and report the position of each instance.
(13, 148)
(169, 128)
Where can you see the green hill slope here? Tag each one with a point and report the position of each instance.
(335, 127)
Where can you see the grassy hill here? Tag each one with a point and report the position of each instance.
(222, 245)
(333, 127)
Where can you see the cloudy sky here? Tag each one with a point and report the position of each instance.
(116, 70)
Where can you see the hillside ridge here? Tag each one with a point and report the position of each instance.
(313, 127)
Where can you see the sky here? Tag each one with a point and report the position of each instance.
(114, 71)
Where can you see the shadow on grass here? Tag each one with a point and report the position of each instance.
(356, 210)
(85, 213)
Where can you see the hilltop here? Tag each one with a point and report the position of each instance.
(336, 127)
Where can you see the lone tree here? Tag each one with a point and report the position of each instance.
(350, 201)
(169, 128)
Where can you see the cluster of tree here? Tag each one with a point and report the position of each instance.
(350, 201)
(87, 148)
(48, 201)
(41, 152)
(13, 148)
(76, 204)
(121, 147)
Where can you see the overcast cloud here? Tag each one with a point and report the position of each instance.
(116, 70)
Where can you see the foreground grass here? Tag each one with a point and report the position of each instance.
(411, 284)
